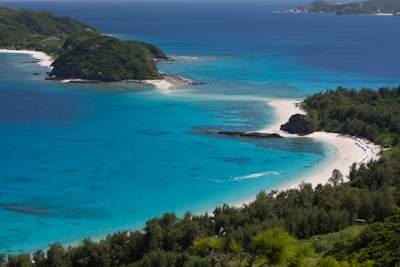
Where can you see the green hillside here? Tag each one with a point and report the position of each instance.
(25, 29)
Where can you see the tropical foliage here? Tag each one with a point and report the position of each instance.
(105, 58)
(372, 114)
(25, 29)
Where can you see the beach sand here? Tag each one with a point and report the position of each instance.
(168, 82)
(42, 58)
(347, 149)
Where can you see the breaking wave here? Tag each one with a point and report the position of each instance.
(256, 175)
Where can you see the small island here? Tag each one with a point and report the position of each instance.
(367, 7)
(79, 51)
(103, 58)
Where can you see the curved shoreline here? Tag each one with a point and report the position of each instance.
(348, 149)
(41, 58)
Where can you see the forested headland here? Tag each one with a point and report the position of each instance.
(79, 50)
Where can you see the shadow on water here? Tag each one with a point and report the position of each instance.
(42, 210)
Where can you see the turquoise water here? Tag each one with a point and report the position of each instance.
(85, 160)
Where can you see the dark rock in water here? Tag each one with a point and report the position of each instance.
(31, 61)
(261, 135)
(298, 124)
(197, 83)
(229, 133)
(36, 73)
(84, 81)
(249, 134)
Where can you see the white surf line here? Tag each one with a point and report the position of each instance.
(42, 58)
(255, 175)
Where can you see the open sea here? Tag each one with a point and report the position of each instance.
(81, 161)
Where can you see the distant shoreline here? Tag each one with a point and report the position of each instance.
(299, 11)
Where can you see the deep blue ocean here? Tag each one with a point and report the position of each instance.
(85, 160)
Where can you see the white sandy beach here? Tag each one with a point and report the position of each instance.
(347, 149)
(42, 58)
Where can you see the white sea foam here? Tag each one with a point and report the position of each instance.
(256, 175)
(186, 58)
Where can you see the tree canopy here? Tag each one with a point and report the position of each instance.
(367, 113)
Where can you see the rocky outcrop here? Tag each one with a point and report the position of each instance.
(248, 134)
(298, 124)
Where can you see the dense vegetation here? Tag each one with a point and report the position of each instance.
(371, 114)
(362, 7)
(97, 57)
(296, 227)
(79, 50)
(25, 29)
